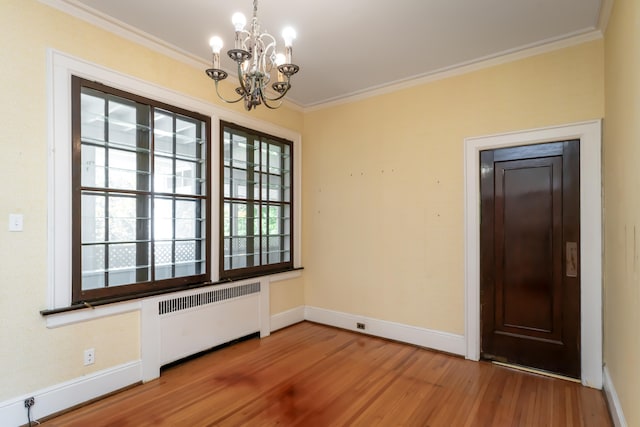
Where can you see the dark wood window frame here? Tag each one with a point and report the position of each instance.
(286, 238)
(146, 281)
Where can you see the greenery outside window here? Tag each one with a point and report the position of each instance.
(140, 198)
(257, 203)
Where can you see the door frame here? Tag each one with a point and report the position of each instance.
(590, 136)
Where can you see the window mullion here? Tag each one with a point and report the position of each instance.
(281, 223)
(106, 194)
(260, 199)
(152, 194)
(174, 172)
(265, 203)
(142, 200)
(232, 210)
(197, 219)
(251, 208)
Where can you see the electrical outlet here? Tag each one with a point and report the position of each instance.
(89, 356)
(360, 326)
(29, 402)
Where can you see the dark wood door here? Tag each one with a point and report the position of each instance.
(529, 256)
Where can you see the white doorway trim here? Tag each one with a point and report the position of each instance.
(590, 135)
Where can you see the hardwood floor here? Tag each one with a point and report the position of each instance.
(314, 375)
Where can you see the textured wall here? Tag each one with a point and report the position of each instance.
(622, 204)
(383, 182)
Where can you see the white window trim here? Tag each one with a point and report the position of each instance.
(60, 68)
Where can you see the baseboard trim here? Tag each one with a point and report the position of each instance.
(69, 394)
(437, 340)
(287, 318)
(615, 407)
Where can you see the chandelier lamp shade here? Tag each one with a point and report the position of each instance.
(256, 56)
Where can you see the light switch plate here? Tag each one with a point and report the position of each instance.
(16, 222)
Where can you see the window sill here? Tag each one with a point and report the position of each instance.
(286, 275)
(84, 314)
(79, 313)
(274, 276)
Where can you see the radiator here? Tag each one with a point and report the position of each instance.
(197, 321)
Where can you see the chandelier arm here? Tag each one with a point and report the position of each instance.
(223, 98)
(241, 77)
(277, 98)
(268, 56)
(266, 100)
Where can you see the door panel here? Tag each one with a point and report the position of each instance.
(530, 208)
(527, 236)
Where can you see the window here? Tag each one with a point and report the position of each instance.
(257, 203)
(139, 197)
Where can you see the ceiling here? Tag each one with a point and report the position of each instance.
(349, 47)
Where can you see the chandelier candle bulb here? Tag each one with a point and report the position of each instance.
(288, 34)
(239, 21)
(216, 46)
(280, 59)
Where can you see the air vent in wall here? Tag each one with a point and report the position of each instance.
(183, 303)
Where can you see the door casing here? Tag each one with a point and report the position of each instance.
(589, 134)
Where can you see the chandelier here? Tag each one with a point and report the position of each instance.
(255, 54)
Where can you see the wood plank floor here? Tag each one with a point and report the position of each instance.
(314, 375)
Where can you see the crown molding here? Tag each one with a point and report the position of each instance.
(605, 13)
(503, 57)
(119, 28)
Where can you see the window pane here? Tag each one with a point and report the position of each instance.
(163, 252)
(185, 252)
(123, 170)
(128, 263)
(187, 177)
(239, 184)
(186, 138)
(239, 148)
(122, 122)
(122, 218)
(186, 219)
(93, 218)
(93, 266)
(93, 166)
(163, 214)
(275, 155)
(93, 119)
(244, 219)
(274, 188)
(163, 132)
(163, 179)
(245, 252)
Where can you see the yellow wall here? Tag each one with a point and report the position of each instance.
(286, 295)
(622, 204)
(383, 182)
(31, 356)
